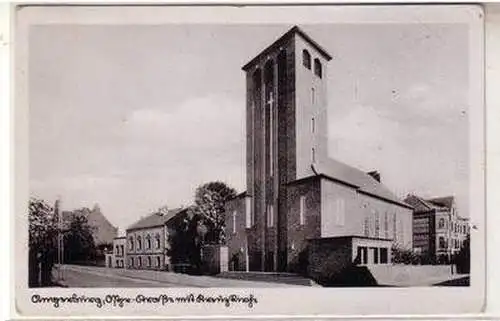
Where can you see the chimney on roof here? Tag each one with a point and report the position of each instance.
(375, 175)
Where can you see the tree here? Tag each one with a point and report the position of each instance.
(404, 255)
(462, 259)
(210, 200)
(79, 243)
(43, 232)
(185, 240)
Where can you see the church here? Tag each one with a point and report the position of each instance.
(302, 209)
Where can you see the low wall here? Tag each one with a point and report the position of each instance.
(214, 259)
(328, 257)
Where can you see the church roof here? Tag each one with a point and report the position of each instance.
(294, 30)
(421, 205)
(156, 219)
(363, 182)
(446, 201)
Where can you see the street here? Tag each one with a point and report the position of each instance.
(101, 277)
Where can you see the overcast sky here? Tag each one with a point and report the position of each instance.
(136, 117)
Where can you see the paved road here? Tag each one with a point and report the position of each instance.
(84, 277)
(90, 276)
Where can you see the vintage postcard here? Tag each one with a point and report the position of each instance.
(249, 161)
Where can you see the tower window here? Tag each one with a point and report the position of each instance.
(270, 216)
(313, 125)
(306, 59)
(248, 210)
(234, 222)
(313, 155)
(318, 68)
(302, 210)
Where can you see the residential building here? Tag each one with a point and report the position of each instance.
(302, 207)
(119, 253)
(438, 230)
(148, 240)
(103, 231)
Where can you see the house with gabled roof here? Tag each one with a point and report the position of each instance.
(438, 230)
(147, 239)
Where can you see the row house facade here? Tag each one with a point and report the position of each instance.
(439, 231)
(119, 252)
(147, 240)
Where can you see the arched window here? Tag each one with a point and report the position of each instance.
(158, 261)
(318, 68)
(149, 261)
(441, 223)
(157, 240)
(148, 242)
(117, 250)
(131, 244)
(139, 243)
(132, 262)
(441, 242)
(306, 59)
(139, 261)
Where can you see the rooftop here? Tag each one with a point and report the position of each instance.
(295, 30)
(362, 181)
(156, 219)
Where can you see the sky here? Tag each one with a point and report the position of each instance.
(136, 117)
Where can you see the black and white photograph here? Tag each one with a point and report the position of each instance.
(302, 150)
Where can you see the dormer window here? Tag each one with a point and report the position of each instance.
(318, 68)
(306, 59)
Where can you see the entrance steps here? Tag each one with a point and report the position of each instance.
(274, 277)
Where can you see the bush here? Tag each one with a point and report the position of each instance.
(405, 256)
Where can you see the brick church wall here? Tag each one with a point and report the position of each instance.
(236, 239)
(299, 234)
(328, 257)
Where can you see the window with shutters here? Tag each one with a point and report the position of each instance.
(340, 212)
(366, 226)
(386, 225)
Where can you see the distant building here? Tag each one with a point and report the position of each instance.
(147, 240)
(302, 207)
(103, 231)
(438, 230)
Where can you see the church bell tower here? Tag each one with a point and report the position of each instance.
(286, 134)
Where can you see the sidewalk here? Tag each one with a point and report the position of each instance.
(182, 280)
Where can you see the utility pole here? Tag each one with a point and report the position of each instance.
(60, 243)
